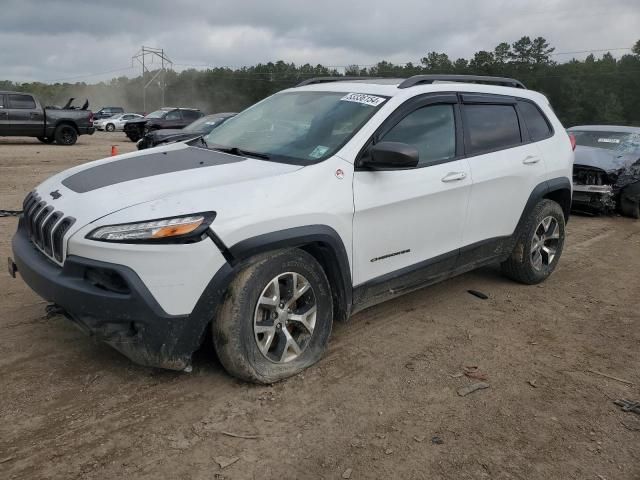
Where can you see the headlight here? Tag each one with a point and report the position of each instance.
(163, 230)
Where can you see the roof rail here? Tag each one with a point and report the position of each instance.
(424, 79)
(315, 80)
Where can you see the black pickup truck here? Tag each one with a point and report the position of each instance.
(21, 115)
(166, 117)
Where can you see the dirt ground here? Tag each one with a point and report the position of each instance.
(381, 404)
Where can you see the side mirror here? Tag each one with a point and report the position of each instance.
(388, 155)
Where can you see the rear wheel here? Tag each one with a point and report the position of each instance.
(66, 135)
(539, 245)
(47, 140)
(276, 318)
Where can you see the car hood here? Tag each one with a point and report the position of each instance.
(96, 189)
(139, 120)
(606, 160)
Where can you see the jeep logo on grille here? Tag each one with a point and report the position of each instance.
(55, 194)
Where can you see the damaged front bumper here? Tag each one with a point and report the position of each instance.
(600, 198)
(112, 303)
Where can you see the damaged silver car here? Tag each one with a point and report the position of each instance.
(606, 171)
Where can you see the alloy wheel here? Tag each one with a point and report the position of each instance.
(285, 317)
(546, 240)
(67, 135)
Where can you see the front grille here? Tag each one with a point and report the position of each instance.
(45, 226)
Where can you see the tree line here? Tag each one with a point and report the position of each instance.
(600, 89)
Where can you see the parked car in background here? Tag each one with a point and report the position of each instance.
(106, 112)
(313, 204)
(22, 115)
(116, 122)
(167, 117)
(606, 171)
(202, 126)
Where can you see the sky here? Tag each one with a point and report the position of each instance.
(86, 40)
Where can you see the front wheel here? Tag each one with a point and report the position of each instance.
(110, 127)
(276, 318)
(133, 135)
(539, 245)
(630, 201)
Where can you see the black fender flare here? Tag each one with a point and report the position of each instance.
(321, 241)
(557, 189)
(66, 121)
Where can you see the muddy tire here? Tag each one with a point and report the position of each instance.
(539, 245)
(110, 127)
(66, 135)
(276, 317)
(46, 140)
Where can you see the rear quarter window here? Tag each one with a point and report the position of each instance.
(490, 127)
(537, 124)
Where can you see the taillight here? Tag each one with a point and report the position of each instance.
(572, 139)
(90, 117)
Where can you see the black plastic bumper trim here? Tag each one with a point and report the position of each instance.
(132, 322)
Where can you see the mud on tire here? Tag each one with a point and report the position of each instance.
(525, 265)
(237, 330)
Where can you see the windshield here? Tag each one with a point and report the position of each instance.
(623, 142)
(202, 125)
(157, 114)
(297, 127)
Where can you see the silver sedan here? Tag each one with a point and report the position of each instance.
(116, 122)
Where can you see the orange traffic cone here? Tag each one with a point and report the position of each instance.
(114, 150)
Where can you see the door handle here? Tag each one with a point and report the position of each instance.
(454, 176)
(530, 160)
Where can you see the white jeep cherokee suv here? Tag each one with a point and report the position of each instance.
(312, 204)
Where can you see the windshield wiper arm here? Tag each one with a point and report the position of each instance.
(242, 153)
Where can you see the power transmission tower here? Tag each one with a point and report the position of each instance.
(146, 57)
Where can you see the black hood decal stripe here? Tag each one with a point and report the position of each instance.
(144, 166)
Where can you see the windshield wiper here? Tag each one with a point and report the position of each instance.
(241, 153)
(203, 141)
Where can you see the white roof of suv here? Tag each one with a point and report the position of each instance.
(391, 87)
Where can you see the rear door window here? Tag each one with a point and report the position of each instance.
(536, 122)
(490, 127)
(190, 114)
(21, 101)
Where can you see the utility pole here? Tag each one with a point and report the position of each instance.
(144, 57)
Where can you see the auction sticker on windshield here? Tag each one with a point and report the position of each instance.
(371, 100)
(319, 151)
